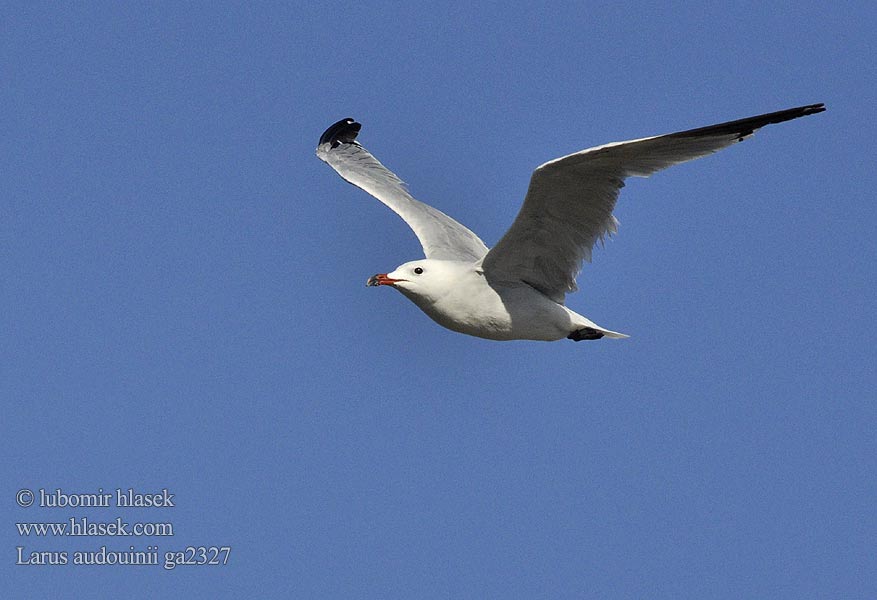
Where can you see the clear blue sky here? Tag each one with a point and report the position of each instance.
(183, 302)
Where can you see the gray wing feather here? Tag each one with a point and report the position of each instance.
(441, 236)
(569, 203)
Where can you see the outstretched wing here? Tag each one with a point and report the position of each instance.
(570, 200)
(441, 236)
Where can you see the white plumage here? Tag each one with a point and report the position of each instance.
(517, 289)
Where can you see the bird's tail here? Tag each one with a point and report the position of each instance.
(585, 329)
(614, 334)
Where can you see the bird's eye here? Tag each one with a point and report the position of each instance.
(418, 270)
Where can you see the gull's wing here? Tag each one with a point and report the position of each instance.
(440, 235)
(570, 200)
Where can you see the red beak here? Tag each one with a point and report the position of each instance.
(381, 279)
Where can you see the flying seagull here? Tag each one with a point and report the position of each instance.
(516, 290)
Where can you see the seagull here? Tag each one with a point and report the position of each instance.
(517, 289)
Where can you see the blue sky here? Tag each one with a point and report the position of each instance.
(184, 303)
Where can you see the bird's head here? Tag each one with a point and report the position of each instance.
(421, 280)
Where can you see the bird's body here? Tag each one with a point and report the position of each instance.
(457, 295)
(517, 289)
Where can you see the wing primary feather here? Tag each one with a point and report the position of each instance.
(746, 127)
(342, 132)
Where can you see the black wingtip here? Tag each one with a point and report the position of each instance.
(810, 109)
(746, 127)
(342, 132)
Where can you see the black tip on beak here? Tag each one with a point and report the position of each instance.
(381, 279)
